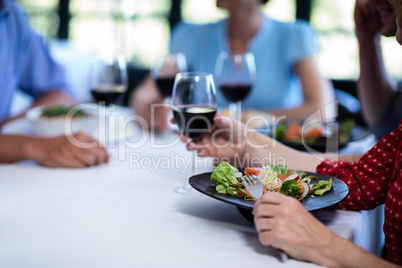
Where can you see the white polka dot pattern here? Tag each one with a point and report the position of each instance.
(376, 179)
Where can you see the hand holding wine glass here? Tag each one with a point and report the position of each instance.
(194, 106)
(235, 75)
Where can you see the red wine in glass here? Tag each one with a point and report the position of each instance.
(165, 85)
(193, 121)
(235, 73)
(107, 93)
(165, 69)
(235, 92)
(194, 107)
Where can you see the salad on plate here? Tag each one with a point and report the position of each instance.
(275, 178)
(295, 132)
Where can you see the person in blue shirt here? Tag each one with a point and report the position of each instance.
(26, 64)
(288, 83)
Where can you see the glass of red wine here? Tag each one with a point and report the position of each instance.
(109, 79)
(165, 70)
(235, 76)
(194, 106)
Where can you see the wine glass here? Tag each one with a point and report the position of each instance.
(108, 85)
(109, 79)
(165, 70)
(235, 76)
(194, 107)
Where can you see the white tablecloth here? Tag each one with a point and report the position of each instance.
(124, 215)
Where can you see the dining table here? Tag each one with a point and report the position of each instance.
(127, 212)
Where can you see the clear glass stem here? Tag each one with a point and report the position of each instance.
(186, 188)
(235, 110)
(193, 159)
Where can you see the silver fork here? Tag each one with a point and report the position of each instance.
(254, 186)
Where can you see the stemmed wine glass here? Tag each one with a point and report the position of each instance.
(165, 70)
(109, 79)
(235, 76)
(108, 85)
(194, 107)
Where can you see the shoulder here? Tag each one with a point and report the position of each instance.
(300, 27)
(15, 11)
(16, 20)
(301, 39)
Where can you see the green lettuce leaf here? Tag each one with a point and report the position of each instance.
(306, 180)
(221, 189)
(325, 189)
(280, 169)
(346, 128)
(301, 174)
(322, 186)
(280, 131)
(224, 173)
(291, 188)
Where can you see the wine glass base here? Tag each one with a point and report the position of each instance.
(184, 189)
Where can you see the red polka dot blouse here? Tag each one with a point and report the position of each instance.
(376, 179)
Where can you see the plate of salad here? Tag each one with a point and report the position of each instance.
(314, 190)
(317, 136)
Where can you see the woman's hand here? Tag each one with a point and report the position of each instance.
(226, 141)
(367, 20)
(282, 222)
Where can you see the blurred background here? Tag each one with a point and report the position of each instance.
(140, 30)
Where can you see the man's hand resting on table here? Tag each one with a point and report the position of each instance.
(52, 152)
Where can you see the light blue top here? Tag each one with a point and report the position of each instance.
(25, 61)
(276, 47)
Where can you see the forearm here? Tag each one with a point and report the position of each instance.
(298, 113)
(317, 92)
(53, 97)
(344, 157)
(144, 94)
(274, 152)
(375, 87)
(340, 252)
(16, 147)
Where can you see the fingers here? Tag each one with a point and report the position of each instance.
(221, 121)
(62, 159)
(86, 158)
(265, 238)
(92, 156)
(157, 118)
(79, 157)
(269, 198)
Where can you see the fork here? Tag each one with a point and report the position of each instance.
(254, 186)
